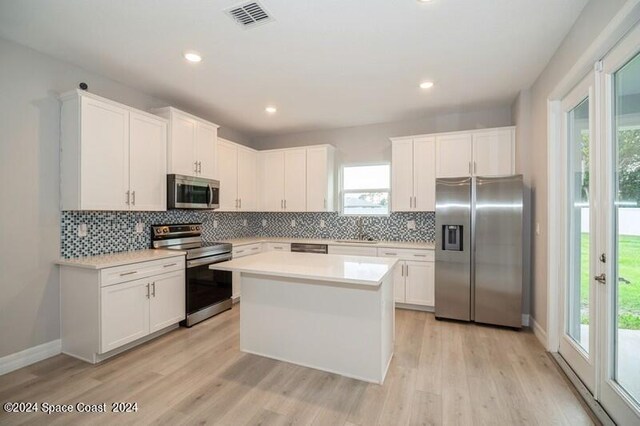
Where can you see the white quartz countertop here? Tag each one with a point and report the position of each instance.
(360, 270)
(382, 244)
(119, 259)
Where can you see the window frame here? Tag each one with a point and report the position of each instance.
(342, 191)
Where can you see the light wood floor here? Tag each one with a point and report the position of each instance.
(442, 373)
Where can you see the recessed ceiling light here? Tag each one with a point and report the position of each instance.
(426, 85)
(192, 57)
(271, 109)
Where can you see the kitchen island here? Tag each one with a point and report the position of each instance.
(330, 312)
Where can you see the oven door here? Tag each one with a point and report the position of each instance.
(186, 192)
(207, 287)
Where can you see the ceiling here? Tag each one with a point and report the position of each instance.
(323, 63)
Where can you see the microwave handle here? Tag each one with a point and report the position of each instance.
(210, 195)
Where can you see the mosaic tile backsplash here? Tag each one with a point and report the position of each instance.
(110, 232)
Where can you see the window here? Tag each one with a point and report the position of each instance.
(365, 189)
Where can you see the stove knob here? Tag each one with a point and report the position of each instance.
(165, 230)
(193, 228)
(198, 227)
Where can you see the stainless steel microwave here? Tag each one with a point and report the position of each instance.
(187, 192)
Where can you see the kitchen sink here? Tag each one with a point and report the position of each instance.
(356, 241)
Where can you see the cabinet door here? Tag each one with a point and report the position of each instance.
(318, 180)
(247, 180)
(148, 164)
(420, 283)
(182, 146)
(493, 153)
(104, 174)
(424, 174)
(295, 180)
(272, 181)
(124, 313)
(454, 155)
(402, 175)
(205, 147)
(398, 283)
(167, 305)
(228, 175)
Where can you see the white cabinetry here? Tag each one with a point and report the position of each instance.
(113, 157)
(414, 276)
(237, 168)
(192, 144)
(320, 178)
(103, 310)
(283, 180)
(487, 152)
(242, 251)
(413, 174)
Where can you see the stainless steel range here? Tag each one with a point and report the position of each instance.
(208, 291)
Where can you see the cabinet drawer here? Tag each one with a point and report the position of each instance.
(279, 246)
(120, 274)
(408, 254)
(247, 250)
(353, 250)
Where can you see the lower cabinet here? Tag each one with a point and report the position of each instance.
(419, 286)
(137, 308)
(105, 309)
(242, 251)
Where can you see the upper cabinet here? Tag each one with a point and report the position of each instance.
(413, 174)
(488, 152)
(297, 179)
(113, 157)
(237, 172)
(192, 144)
(320, 178)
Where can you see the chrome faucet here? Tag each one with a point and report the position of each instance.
(360, 232)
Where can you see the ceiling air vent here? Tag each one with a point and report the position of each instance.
(249, 14)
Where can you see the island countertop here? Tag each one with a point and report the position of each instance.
(360, 270)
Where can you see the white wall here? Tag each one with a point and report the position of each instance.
(29, 167)
(595, 16)
(371, 143)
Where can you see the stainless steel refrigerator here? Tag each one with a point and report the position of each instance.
(479, 237)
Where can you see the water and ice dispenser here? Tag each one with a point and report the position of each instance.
(452, 237)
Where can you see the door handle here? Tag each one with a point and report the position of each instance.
(153, 284)
(195, 165)
(602, 278)
(469, 167)
(239, 203)
(285, 204)
(128, 197)
(133, 198)
(148, 296)
(199, 166)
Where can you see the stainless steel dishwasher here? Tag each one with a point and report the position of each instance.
(309, 248)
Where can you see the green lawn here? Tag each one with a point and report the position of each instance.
(628, 292)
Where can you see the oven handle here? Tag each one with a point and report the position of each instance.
(209, 260)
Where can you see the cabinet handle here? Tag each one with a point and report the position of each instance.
(128, 196)
(277, 248)
(195, 165)
(255, 248)
(420, 255)
(285, 204)
(153, 284)
(475, 166)
(407, 270)
(469, 167)
(133, 198)
(199, 166)
(391, 254)
(240, 251)
(128, 273)
(148, 291)
(169, 265)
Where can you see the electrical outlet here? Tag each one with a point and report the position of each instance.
(215, 223)
(322, 224)
(411, 224)
(293, 223)
(244, 222)
(139, 228)
(82, 230)
(264, 222)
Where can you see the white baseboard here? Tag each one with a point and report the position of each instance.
(525, 320)
(29, 356)
(540, 333)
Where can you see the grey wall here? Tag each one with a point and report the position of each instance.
(533, 155)
(29, 167)
(371, 143)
